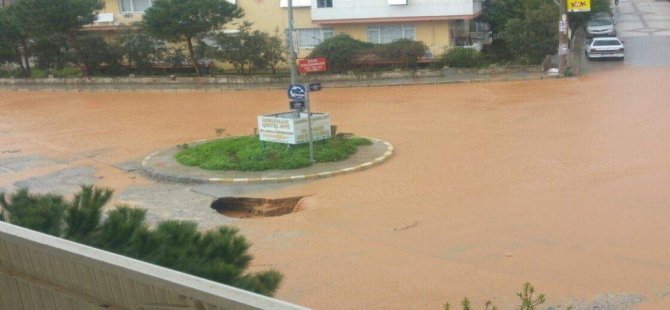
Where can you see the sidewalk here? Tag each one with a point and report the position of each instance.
(221, 83)
(576, 52)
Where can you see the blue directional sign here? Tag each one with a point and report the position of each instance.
(296, 91)
(297, 105)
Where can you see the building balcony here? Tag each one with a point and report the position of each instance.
(367, 11)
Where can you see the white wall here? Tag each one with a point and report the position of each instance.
(379, 9)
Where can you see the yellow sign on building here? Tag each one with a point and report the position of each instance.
(579, 5)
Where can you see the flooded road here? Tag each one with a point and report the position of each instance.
(561, 183)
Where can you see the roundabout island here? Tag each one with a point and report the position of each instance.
(164, 165)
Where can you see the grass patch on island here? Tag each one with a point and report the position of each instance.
(248, 154)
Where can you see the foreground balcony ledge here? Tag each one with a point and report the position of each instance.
(75, 276)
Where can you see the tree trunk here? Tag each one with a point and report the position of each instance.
(23, 68)
(24, 58)
(191, 54)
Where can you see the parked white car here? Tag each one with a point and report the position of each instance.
(602, 25)
(605, 47)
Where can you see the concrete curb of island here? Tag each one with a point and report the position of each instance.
(161, 176)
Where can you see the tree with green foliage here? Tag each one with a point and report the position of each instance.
(531, 37)
(43, 18)
(50, 52)
(248, 49)
(83, 215)
(461, 57)
(274, 51)
(13, 43)
(528, 28)
(43, 213)
(182, 21)
(220, 255)
(341, 51)
(243, 49)
(141, 50)
(496, 13)
(94, 53)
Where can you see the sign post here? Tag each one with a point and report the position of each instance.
(296, 93)
(309, 125)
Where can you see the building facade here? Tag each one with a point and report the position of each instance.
(437, 23)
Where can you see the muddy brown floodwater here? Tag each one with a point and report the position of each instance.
(561, 183)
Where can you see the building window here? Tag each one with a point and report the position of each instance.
(135, 6)
(311, 37)
(324, 3)
(390, 33)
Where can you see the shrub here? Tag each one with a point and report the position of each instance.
(65, 72)
(527, 300)
(341, 51)
(15, 72)
(460, 57)
(404, 52)
(496, 52)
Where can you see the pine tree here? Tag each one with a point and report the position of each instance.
(83, 215)
(219, 255)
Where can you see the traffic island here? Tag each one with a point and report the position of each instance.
(163, 166)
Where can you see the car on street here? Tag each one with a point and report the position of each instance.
(600, 25)
(604, 47)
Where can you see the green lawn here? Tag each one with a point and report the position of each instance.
(247, 154)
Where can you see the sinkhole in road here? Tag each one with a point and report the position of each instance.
(245, 207)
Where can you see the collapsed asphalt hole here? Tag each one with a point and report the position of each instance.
(244, 207)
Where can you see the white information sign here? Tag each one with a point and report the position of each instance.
(283, 128)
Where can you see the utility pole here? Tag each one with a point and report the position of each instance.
(309, 125)
(291, 44)
(563, 48)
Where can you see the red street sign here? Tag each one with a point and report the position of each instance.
(310, 65)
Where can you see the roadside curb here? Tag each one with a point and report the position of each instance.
(161, 175)
(178, 88)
